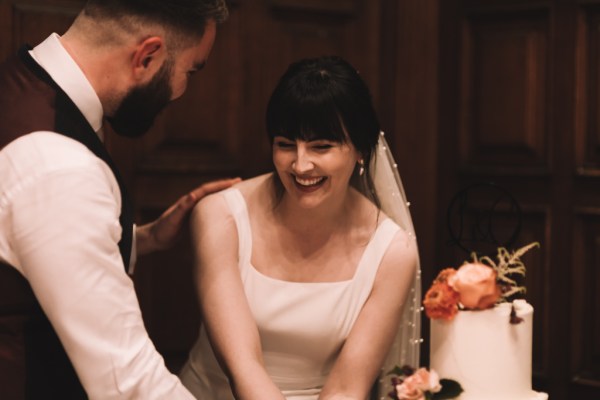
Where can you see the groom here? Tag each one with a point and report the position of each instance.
(70, 324)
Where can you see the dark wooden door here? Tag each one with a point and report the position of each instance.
(519, 108)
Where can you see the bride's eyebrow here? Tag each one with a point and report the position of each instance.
(323, 140)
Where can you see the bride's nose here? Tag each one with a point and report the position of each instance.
(303, 161)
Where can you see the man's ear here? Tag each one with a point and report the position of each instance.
(148, 57)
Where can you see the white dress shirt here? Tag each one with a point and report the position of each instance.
(59, 219)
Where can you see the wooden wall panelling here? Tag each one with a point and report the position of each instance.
(348, 28)
(5, 29)
(537, 225)
(584, 348)
(450, 52)
(408, 89)
(257, 43)
(318, 6)
(504, 91)
(562, 121)
(281, 32)
(587, 134)
(30, 22)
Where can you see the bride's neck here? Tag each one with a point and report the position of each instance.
(324, 218)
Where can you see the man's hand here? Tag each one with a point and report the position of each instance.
(162, 233)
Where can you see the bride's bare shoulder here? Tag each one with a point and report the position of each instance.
(249, 186)
(246, 187)
(257, 191)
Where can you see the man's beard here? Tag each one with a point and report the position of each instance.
(140, 106)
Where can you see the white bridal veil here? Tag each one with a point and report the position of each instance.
(389, 190)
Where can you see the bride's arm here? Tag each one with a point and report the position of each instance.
(371, 337)
(225, 310)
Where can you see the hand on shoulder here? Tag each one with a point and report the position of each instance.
(164, 232)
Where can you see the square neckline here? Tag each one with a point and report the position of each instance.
(245, 219)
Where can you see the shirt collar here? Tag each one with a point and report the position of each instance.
(54, 58)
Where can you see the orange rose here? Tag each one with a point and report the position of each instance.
(477, 286)
(441, 301)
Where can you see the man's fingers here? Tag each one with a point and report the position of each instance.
(212, 187)
(189, 200)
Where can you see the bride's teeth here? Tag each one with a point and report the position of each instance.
(308, 182)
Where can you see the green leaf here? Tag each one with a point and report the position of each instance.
(450, 390)
(395, 371)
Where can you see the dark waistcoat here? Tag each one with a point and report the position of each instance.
(33, 363)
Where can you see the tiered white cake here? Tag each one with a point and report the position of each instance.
(485, 353)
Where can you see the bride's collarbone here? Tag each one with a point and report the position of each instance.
(292, 267)
(311, 242)
(311, 259)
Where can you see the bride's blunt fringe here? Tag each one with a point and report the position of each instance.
(325, 98)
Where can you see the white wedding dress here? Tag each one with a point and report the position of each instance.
(302, 325)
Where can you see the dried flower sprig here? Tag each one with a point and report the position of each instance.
(509, 264)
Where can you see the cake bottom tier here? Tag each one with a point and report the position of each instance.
(530, 396)
(485, 353)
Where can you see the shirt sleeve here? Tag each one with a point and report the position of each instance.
(65, 230)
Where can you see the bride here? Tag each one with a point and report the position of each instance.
(308, 277)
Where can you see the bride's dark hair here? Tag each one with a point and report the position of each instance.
(325, 98)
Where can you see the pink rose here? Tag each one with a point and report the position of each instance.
(477, 286)
(408, 390)
(419, 385)
(427, 381)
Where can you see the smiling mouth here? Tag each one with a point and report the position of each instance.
(309, 182)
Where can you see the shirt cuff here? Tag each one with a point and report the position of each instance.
(133, 255)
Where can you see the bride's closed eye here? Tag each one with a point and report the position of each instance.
(322, 145)
(284, 144)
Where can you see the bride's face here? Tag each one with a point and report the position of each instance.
(314, 172)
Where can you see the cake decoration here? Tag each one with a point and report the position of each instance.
(421, 384)
(471, 341)
(477, 285)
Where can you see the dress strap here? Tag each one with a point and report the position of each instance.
(237, 205)
(373, 254)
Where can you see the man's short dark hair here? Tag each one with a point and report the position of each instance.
(182, 17)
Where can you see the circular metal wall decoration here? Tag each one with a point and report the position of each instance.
(483, 216)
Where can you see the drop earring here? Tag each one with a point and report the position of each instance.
(361, 170)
